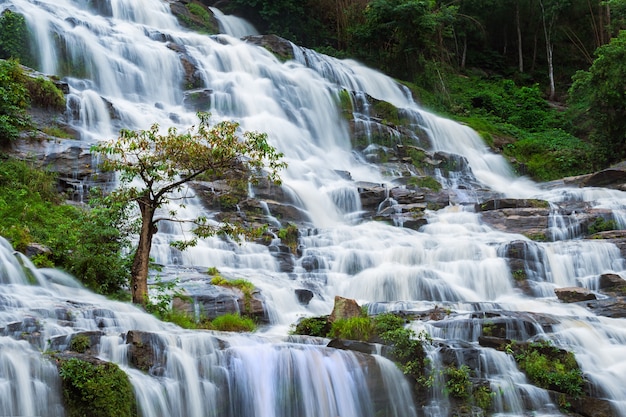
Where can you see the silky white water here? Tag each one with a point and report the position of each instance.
(128, 58)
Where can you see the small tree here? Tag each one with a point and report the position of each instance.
(163, 163)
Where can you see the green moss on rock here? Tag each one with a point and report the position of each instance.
(94, 388)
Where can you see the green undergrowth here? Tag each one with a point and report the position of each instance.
(514, 119)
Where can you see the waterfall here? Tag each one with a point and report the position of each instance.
(123, 61)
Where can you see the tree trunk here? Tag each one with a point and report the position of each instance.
(547, 32)
(464, 55)
(141, 261)
(549, 46)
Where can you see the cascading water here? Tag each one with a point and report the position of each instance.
(123, 62)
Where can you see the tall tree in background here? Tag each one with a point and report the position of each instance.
(154, 166)
(550, 11)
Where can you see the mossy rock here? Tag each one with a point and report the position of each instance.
(195, 16)
(95, 388)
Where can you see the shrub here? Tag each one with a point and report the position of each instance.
(483, 397)
(313, 326)
(354, 328)
(458, 383)
(80, 343)
(96, 390)
(600, 224)
(387, 322)
(550, 367)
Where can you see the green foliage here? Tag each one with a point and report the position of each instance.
(88, 243)
(458, 382)
(483, 397)
(182, 319)
(289, 236)
(400, 35)
(388, 322)
(14, 37)
(164, 162)
(17, 92)
(550, 367)
(354, 328)
(600, 224)
(598, 97)
(499, 100)
(551, 154)
(14, 100)
(44, 93)
(313, 326)
(80, 343)
(244, 285)
(96, 390)
(387, 112)
(345, 103)
(57, 132)
(103, 235)
(233, 323)
(160, 304)
(417, 156)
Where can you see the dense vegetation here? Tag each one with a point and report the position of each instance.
(86, 242)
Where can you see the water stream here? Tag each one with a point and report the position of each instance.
(122, 61)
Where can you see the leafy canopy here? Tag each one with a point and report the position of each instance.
(165, 162)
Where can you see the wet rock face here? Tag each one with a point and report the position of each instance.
(612, 284)
(304, 296)
(219, 301)
(280, 47)
(574, 294)
(144, 351)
